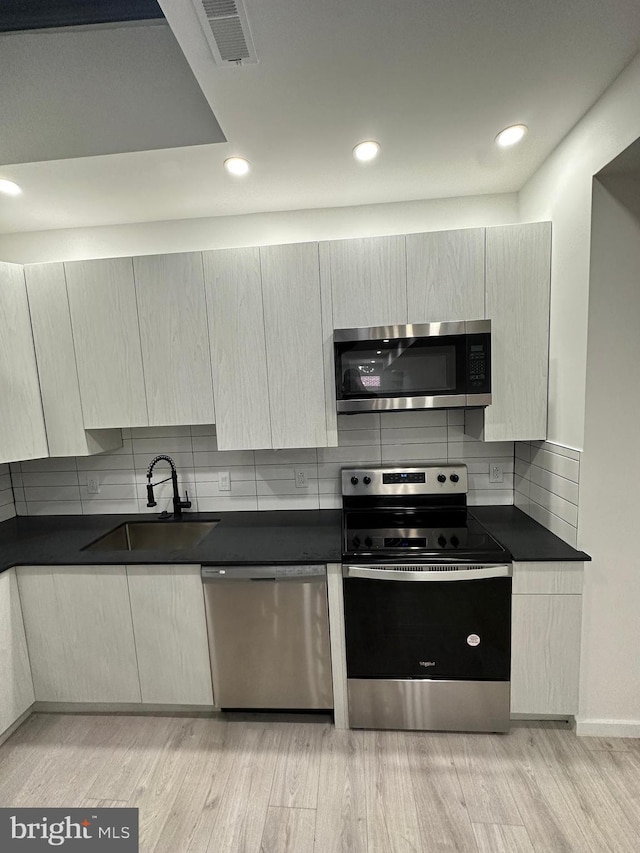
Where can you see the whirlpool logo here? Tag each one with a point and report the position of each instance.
(100, 830)
(427, 663)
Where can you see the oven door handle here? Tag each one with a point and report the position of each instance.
(428, 572)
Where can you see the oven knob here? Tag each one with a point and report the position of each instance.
(366, 480)
(354, 480)
(454, 478)
(442, 478)
(442, 541)
(356, 541)
(455, 541)
(368, 542)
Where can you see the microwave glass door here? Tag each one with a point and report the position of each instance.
(401, 367)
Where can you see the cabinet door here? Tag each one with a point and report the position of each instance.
(445, 276)
(22, 431)
(104, 320)
(49, 307)
(16, 693)
(170, 631)
(293, 332)
(174, 338)
(517, 303)
(545, 656)
(79, 633)
(368, 281)
(238, 350)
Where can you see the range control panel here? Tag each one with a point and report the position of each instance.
(428, 480)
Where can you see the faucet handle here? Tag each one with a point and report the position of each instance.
(186, 503)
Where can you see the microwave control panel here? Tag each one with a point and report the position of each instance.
(479, 363)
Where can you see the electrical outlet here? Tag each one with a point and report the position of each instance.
(93, 485)
(300, 478)
(496, 474)
(224, 481)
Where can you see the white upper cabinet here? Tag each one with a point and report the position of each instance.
(445, 276)
(238, 350)
(174, 338)
(22, 430)
(104, 320)
(368, 281)
(293, 336)
(517, 303)
(47, 291)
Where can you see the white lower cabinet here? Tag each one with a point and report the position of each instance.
(167, 606)
(545, 641)
(79, 633)
(16, 685)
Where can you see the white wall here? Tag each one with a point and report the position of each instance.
(610, 472)
(560, 191)
(259, 229)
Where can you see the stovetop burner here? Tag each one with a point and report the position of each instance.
(413, 514)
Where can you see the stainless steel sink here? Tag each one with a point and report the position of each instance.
(153, 536)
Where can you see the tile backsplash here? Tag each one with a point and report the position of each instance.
(547, 480)
(7, 506)
(260, 479)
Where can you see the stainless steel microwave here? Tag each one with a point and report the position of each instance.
(420, 366)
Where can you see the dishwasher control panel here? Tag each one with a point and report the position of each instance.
(215, 574)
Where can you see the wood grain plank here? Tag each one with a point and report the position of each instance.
(170, 632)
(22, 430)
(245, 801)
(545, 660)
(550, 578)
(79, 633)
(392, 820)
(137, 745)
(341, 824)
(159, 785)
(175, 338)
(538, 794)
(288, 830)
(293, 334)
(368, 281)
(518, 271)
(192, 816)
(493, 838)
(233, 286)
(106, 336)
(295, 781)
(587, 795)
(445, 275)
(442, 815)
(16, 691)
(483, 780)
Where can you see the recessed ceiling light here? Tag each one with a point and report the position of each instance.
(511, 135)
(366, 151)
(237, 165)
(9, 188)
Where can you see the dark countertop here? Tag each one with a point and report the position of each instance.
(261, 538)
(527, 540)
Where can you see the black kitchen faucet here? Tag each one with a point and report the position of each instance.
(178, 504)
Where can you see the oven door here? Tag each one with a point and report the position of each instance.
(428, 646)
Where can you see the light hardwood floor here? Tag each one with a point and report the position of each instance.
(207, 785)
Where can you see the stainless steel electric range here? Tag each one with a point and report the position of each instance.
(427, 598)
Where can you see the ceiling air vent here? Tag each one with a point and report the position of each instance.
(226, 28)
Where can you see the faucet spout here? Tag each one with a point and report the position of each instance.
(178, 504)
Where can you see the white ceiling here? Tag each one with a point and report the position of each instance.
(432, 80)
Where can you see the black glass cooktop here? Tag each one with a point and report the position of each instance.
(446, 534)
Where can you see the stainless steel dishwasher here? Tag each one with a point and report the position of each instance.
(269, 636)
